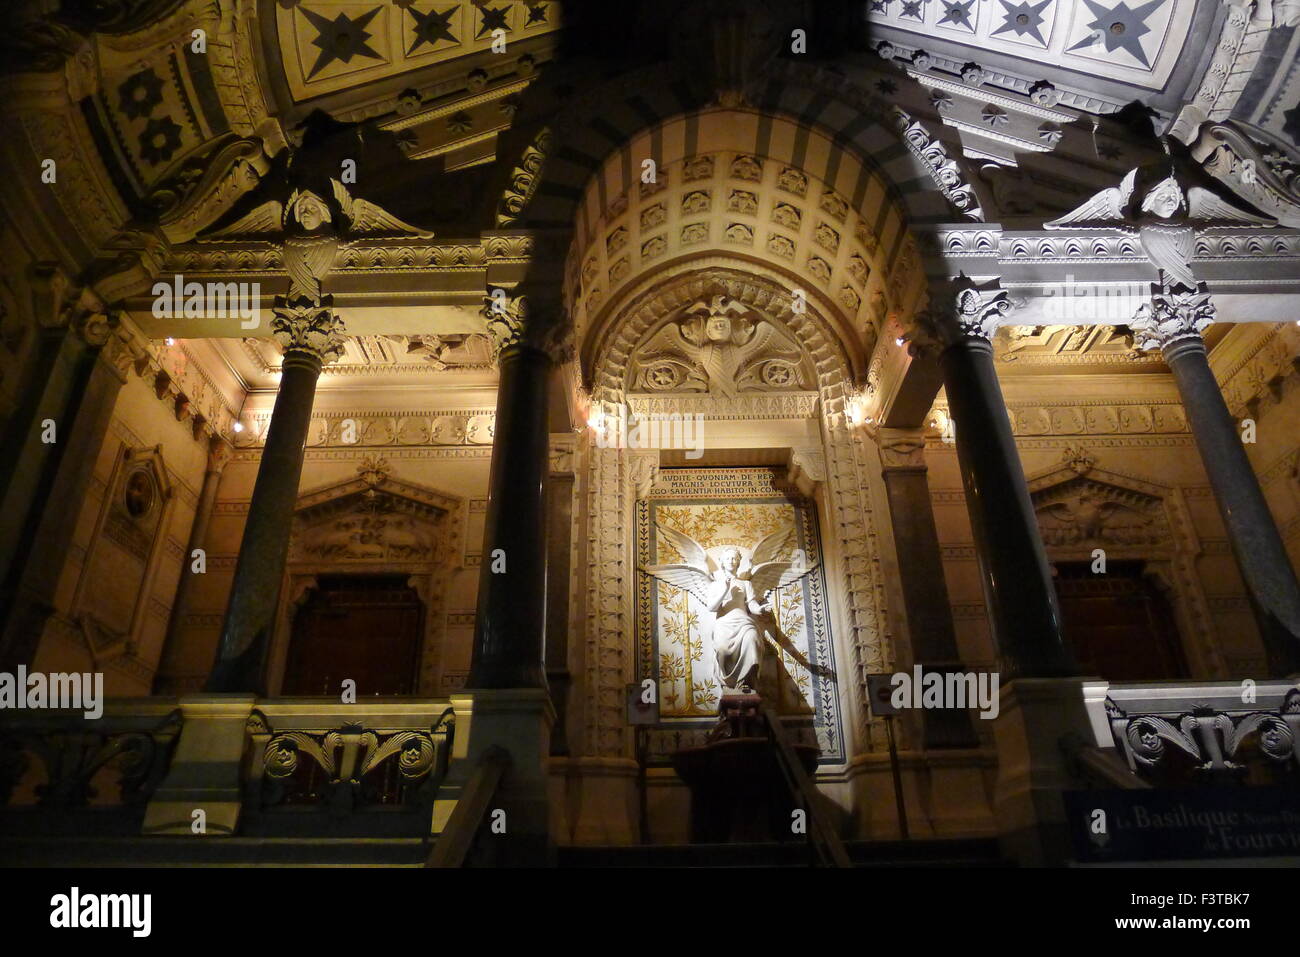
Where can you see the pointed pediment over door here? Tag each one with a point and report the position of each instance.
(1080, 507)
(375, 518)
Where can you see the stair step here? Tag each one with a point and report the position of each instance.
(957, 852)
(164, 851)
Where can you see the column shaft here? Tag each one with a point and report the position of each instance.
(250, 614)
(51, 519)
(925, 594)
(1260, 552)
(169, 660)
(510, 627)
(1017, 582)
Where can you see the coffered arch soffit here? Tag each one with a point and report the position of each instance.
(752, 186)
(893, 153)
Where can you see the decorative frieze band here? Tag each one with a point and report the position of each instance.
(343, 429)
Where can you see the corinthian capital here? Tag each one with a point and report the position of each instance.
(306, 325)
(1171, 317)
(517, 321)
(965, 309)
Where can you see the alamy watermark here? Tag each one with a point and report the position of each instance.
(1074, 303)
(211, 300)
(667, 430)
(952, 690)
(72, 691)
(77, 910)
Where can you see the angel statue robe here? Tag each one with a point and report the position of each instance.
(737, 644)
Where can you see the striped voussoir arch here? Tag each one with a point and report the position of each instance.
(882, 164)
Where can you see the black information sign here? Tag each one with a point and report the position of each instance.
(1184, 824)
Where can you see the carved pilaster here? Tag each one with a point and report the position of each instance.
(220, 453)
(902, 448)
(807, 469)
(643, 470)
(563, 450)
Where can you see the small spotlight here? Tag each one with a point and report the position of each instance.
(238, 426)
(170, 341)
(899, 341)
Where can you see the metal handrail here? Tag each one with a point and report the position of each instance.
(452, 846)
(826, 842)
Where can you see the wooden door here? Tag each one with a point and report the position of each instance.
(1119, 625)
(364, 627)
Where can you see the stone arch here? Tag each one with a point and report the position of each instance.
(916, 154)
(840, 462)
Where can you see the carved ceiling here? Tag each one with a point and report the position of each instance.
(1028, 350)
(1136, 42)
(449, 362)
(840, 238)
(330, 45)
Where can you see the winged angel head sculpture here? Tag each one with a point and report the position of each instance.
(737, 597)
(1165, 204)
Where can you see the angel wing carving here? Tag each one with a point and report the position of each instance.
(1202, 204)
(695, 572)
(1171, 248)
(365, 217)
(767, 572)
(266, 218)
(1104, 209)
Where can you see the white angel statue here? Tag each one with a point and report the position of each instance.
(738, 600)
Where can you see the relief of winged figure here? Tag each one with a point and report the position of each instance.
(737, 599)
(1165, 204)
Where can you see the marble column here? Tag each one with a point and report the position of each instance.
(81, 392)
(311, 335)
(1173, 322)
(510, 628)
(920, 572)
(1018, 589)
(170, 662)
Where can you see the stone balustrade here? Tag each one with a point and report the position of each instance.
(228, 764)
(1182, 731)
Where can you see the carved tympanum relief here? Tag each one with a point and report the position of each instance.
(1086, 509)
(719, 346)
(375, 522)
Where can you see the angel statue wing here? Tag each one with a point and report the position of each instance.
(365, 217)
(266, 218)
(695, 572)
(767, 573)
(1106, 208)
